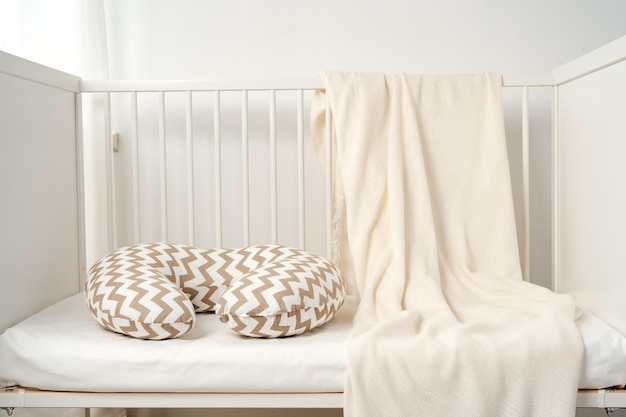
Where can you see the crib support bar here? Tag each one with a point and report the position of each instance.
(556, 201)
(17, 397)
(190, 175)
(22, 398)
(525, 186)
(245, 165)
(110, 182)
(135, 138)
(163, 163)
(95, 86)
(329, 182)
(218, 168)
(301, 209)
(273, 169)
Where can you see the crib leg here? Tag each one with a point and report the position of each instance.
(9, 410)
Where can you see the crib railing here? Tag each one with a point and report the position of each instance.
(238, 152)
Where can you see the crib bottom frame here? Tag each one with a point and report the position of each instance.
(18, 397)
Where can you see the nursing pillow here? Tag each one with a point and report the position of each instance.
(152, 291)
(284, 297)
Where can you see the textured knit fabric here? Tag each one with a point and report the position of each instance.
(424, 231)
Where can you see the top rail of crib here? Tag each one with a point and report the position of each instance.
(100, 86)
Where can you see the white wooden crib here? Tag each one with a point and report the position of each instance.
(228, 163)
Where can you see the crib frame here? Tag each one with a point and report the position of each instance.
(18, 397)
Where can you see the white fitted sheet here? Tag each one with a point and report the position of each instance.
(62, 348)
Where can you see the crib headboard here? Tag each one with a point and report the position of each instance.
(41, 244)
(590, 182)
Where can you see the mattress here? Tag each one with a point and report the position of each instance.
(63, 349)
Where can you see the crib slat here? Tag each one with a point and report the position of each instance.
(163, 166)
(217, 133)
(110, 175)
(221, 233)
(556, 201)
(329, 181)
(301, 208)
(135, 168)
(525, 186)
(190, 177)
(273, 169)
(245, 175)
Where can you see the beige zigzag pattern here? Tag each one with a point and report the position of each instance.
(283, 298)
(127, 297)
(151, 290)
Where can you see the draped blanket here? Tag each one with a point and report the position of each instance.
(424, 232)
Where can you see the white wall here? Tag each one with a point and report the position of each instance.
(66, 35)
(250, 38)
(199, 39)
(63, 34)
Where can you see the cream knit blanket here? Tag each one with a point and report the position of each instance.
(425, 233)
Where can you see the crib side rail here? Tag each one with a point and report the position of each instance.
(221, 123)
(205, 132)
(41, 188)
(19, 397)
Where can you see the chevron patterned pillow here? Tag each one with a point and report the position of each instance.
(152, 290)
(285, 297)
(129, 295)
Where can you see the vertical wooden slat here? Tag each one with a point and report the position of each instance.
(273, 169)
(135, 167)
(525, 186)
(110, 177)
(217, 133)
(80, 189)
(301, 208)
(245, 165)
(329, 181)
(191, 220)
(556, 201)
(163, 166)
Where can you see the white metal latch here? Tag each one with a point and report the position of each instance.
(115, 142)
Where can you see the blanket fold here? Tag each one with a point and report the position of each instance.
(425, 235)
